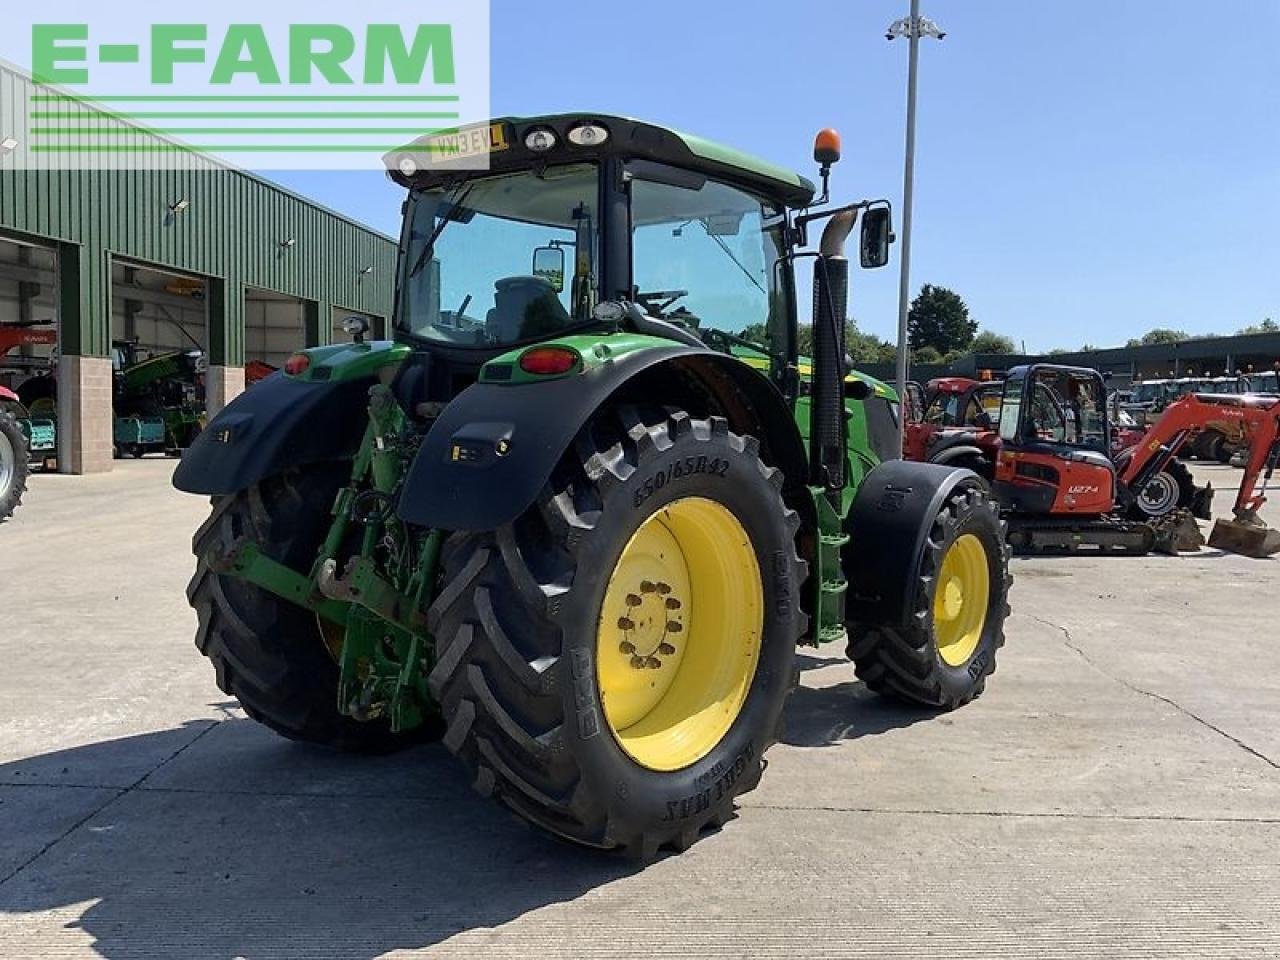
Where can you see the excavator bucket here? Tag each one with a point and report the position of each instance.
(1249, 539)
(1177, 533)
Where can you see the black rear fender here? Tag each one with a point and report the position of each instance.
(888, 526)
(281, 422)
(494, 448)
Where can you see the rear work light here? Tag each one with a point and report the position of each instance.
(549, 361)
(297, 364)
(588, 135)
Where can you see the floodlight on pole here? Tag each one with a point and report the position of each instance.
(913, 28)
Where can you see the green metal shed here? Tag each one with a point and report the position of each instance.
(191, 217)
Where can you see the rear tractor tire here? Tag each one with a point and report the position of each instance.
(614, 662)
(946, 650)
(268, 653)
(15, 465)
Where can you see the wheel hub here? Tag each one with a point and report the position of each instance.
(961, 599)
(1159, 495)
(8, 464)
(952, 598)
(651, 624)
(679, 633)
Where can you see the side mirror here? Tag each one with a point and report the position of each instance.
(548, 265)
(877, 234)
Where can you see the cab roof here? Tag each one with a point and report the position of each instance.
(431, 161)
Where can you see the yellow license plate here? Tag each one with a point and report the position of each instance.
(465, 144)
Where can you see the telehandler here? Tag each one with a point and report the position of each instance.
(557, 521)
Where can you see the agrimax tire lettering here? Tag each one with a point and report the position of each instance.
(702, 801)
(677, 469)
(978, 665)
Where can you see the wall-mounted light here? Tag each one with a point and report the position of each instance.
(179, 206)
(8, 145)
(286, 244)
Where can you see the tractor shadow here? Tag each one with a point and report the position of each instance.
(243, 845)
(823, 716)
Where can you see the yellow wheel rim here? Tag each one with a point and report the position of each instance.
(679, 634)
(960, 600)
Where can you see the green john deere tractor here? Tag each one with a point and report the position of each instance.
(572, 521)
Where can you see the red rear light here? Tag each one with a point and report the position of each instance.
(297, 364)
(549, 361)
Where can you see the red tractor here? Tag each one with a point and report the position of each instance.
(1063, 489)
(952, 421)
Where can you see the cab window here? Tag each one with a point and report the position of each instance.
(1065, 408)
(705, 257)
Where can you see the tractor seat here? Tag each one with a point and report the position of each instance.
(524, 308)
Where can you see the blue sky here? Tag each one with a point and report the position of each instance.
(1086, 170)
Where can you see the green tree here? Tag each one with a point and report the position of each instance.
(939, 319)
(868, 348)
(1266, 326)
(862, 347)
(989, 342)
(1157, 336)
(926, 354)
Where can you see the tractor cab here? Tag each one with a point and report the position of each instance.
(570, 215)
(1055, 441)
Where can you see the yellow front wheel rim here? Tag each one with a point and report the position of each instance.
(679, 634)
(960, 600)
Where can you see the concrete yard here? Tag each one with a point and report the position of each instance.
(1115, 793)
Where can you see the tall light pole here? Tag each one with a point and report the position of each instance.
(913, 28)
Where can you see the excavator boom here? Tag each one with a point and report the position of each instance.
(1245, 533)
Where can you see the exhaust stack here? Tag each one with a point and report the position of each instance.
(827, 438)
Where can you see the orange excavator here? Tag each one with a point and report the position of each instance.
(1064, 491)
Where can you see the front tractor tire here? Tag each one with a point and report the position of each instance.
(942, 651)
(268, 653)
(614, 662)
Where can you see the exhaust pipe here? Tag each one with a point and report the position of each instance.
(827, 437)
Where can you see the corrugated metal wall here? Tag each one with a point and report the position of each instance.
(232, 231)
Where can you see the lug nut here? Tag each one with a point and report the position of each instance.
(664, 588)
(638, 663)
(633, 600)
(673, 603)
(626, 623)
(627, 648)
(653, 663)
(648, 586)
(674, 626)
(666, 649)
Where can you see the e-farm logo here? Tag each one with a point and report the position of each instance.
(285, 93)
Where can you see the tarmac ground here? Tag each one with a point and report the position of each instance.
(1115, 793)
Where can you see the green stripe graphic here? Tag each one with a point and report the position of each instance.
(227, 98)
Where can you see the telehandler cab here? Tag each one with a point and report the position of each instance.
(575, 518)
